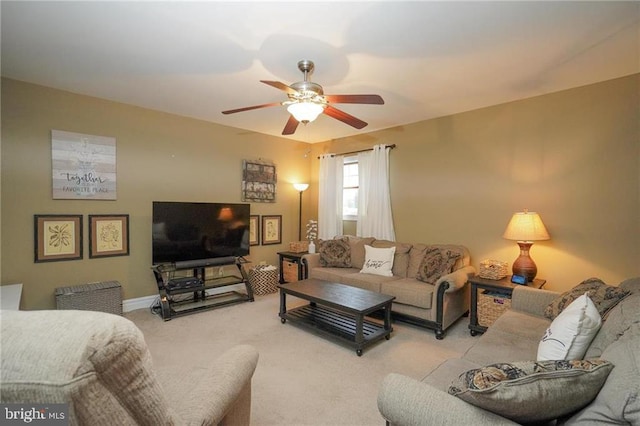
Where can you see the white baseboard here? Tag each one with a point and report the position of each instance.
(138, 303)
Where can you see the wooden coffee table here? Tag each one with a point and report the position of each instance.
(339, 311)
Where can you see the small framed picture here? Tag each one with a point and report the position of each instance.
(254, 230)
(108, 235)
(271, 230)
(57, 237)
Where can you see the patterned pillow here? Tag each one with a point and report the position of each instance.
(531, 391)
(603, 296)
(335, 253)
(435, 264)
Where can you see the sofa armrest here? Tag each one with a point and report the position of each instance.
(530, 300)
(406, 401)
(456, 279)
(312, 260)
(222, 394)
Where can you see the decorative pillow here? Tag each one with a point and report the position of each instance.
(603, 296)
(356, 245)
(569, 335)
(334, 253)
(400, 258)
(531, 391)
(435, 264)
(617, 403)
(378, 261)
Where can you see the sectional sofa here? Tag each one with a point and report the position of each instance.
(429, 282)
(577, 390)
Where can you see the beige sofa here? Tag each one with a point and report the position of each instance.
(99, 364)
(515, 337)
(434, 306)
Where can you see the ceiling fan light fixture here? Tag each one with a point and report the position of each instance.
(305, 112)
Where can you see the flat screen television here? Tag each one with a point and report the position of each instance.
(187, 231)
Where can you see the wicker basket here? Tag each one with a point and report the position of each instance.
(290, 271)
(490, 306)
(299, 246)
(493, 269)
(103, 296)
(263, 279)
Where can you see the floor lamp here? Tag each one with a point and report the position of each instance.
(300, 187)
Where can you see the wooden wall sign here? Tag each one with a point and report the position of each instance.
(259, 181)
(84, 166)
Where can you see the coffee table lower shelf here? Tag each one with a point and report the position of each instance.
(337, 324)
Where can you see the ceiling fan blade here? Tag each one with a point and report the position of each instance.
(233, 111)
(344, 117)
(291, 126)
(280, 86)
(355, 99)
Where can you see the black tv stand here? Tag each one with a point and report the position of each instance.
(183, 286)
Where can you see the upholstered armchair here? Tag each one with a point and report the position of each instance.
(99, 363)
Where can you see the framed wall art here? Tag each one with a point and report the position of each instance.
(254, 230)
(108, 235)
(259, 181)
(57, 237)
(271, 230)
(83, 166)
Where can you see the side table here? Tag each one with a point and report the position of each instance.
(289, 259)
(503, 287)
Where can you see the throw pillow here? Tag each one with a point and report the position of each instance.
(531, 391)
(569, 335)
(435, 264)
(378, 261)
(356, 245)
(603, 296)
(334, 253)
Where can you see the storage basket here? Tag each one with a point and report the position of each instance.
(299, 246)
(493, 269)
(263, 279)
(105, 296)
(290, 271)
(491, 305)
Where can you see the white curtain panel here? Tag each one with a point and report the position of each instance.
(364, 168)
(375, 220)
(330, 197)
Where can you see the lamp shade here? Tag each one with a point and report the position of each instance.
(305, 112)
(226, 214)
(301, 186)
(526, 226)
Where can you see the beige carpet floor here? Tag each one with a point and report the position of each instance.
(301, 378)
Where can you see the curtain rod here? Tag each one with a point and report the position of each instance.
(362, 150)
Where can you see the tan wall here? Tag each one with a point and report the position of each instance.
(572, 156)
(159, 157)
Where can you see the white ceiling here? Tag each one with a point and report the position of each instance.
(426, 59)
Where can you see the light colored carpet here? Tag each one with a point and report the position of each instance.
(301, 378)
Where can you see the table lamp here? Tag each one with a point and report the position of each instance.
(525, 228)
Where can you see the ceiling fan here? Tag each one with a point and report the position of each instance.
(307, 100)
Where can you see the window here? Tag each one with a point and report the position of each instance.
(350, 189)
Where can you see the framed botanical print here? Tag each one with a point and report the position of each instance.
(108, 235)
(254, 230)
(271, 230)
(57, 237)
